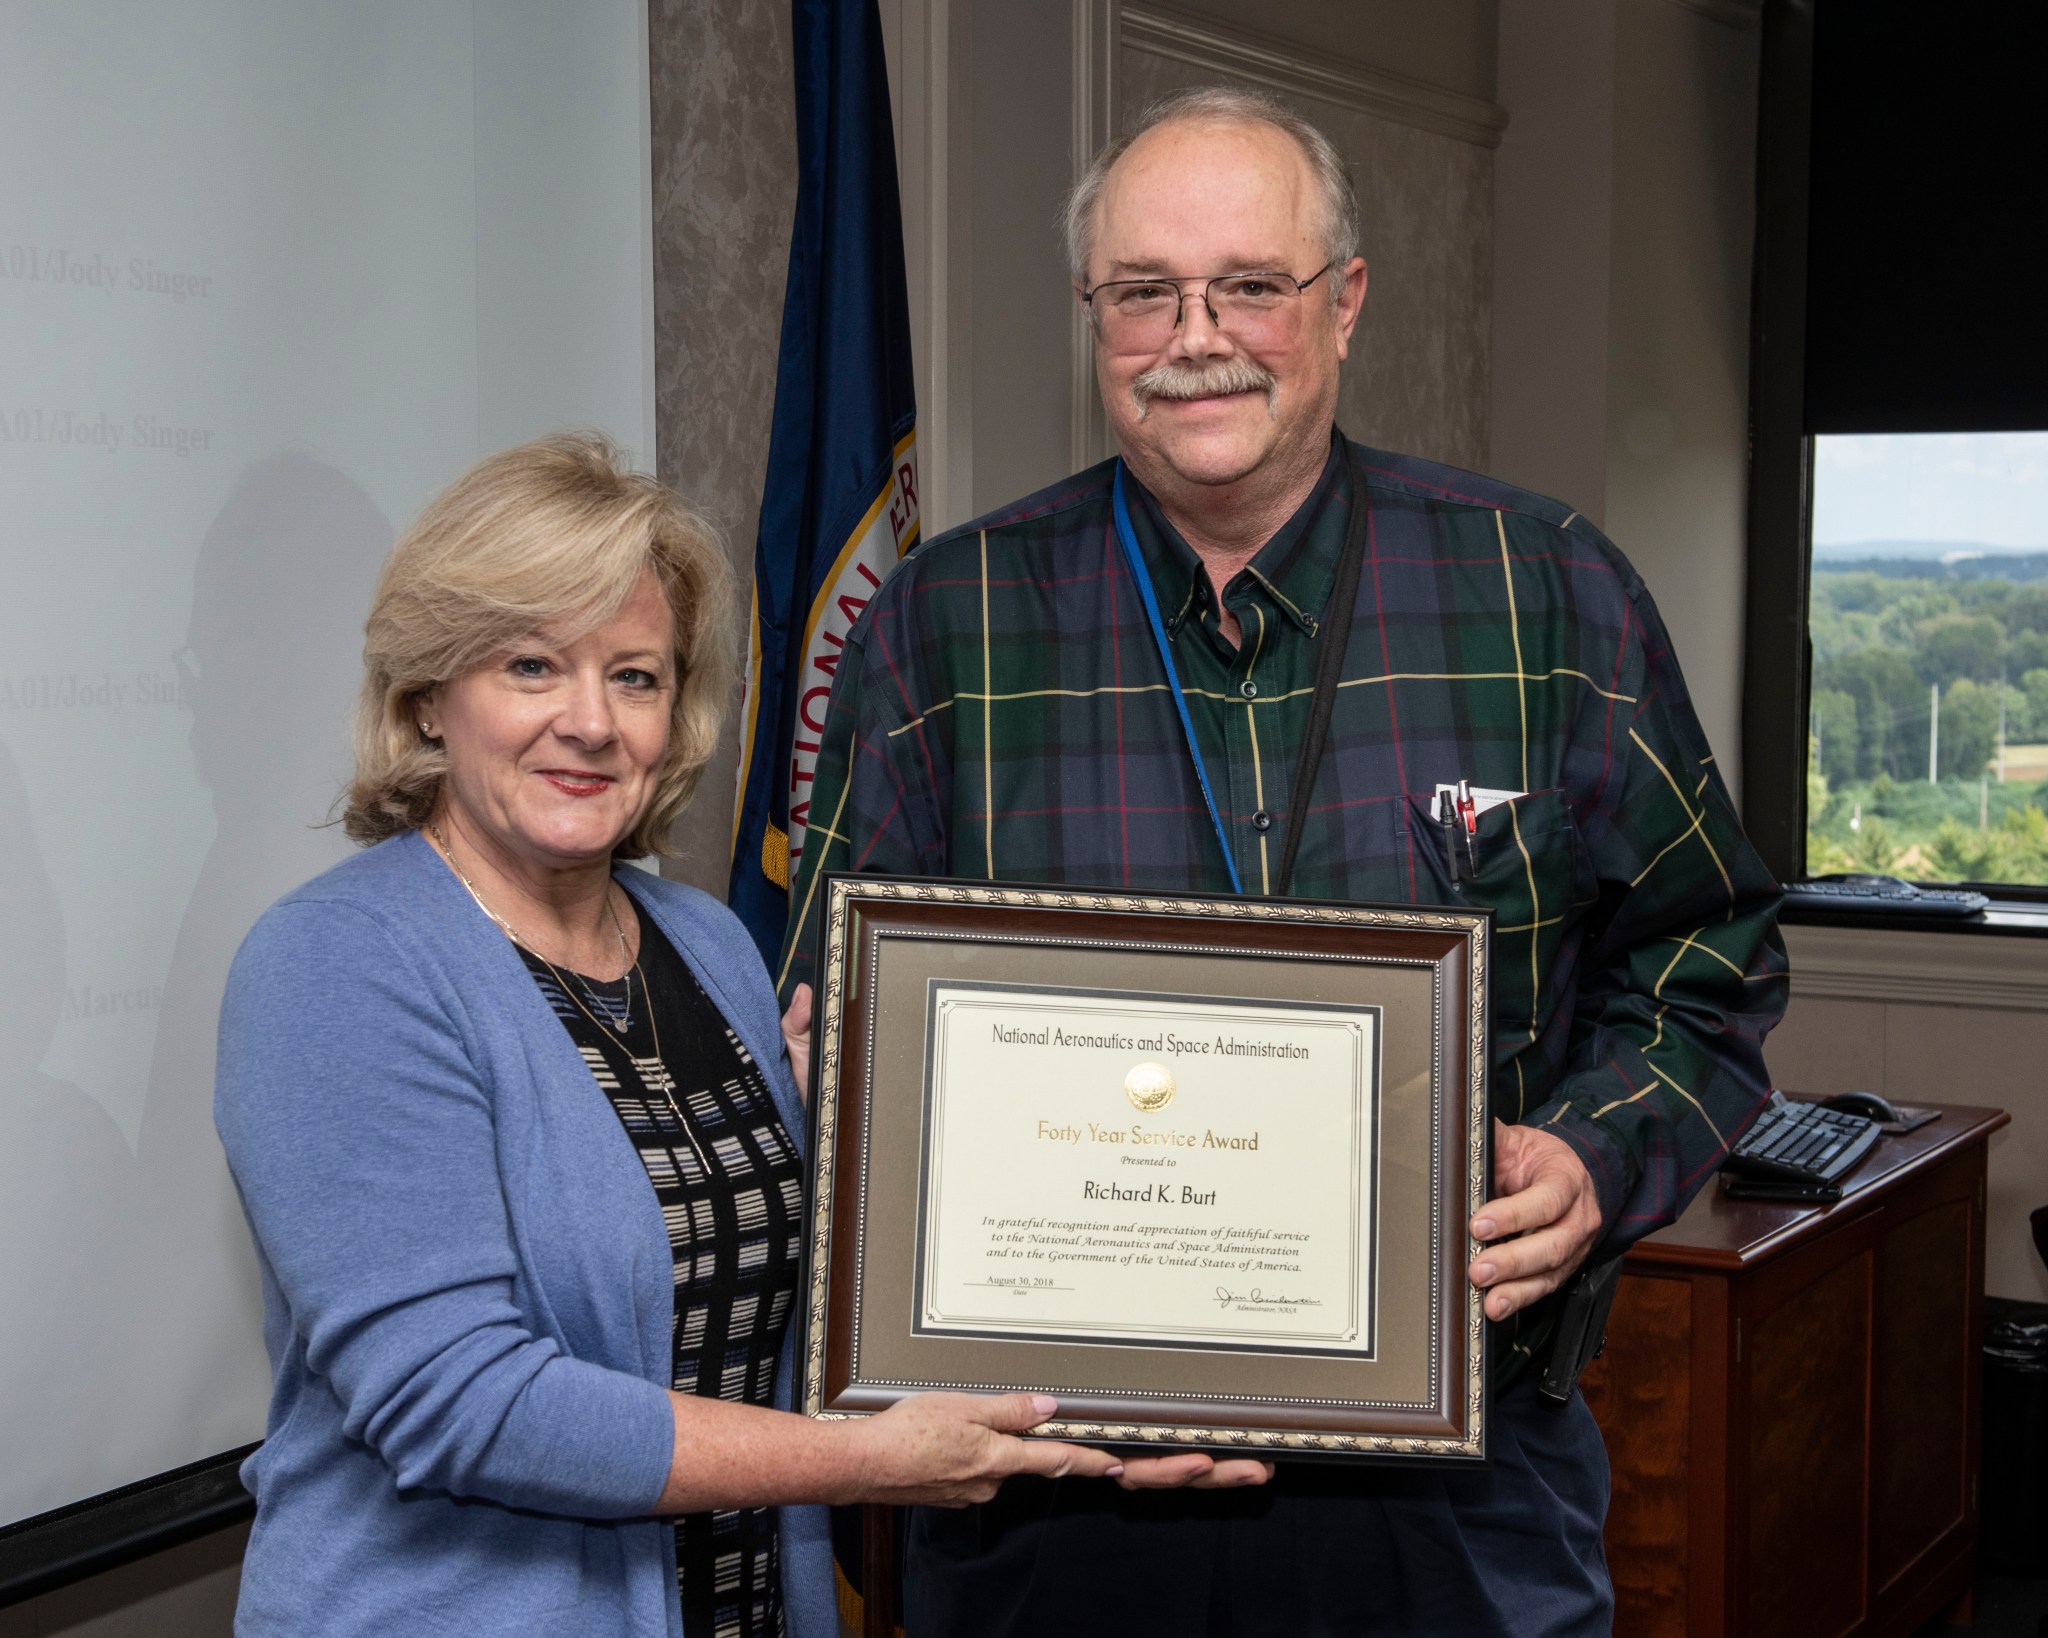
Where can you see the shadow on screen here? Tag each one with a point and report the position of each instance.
(272, 659)
(67, 1192)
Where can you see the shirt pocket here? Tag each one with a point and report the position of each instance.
(1529, 865)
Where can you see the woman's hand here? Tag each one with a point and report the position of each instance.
(796, 1036)
(949, 1449)
(933, 1449)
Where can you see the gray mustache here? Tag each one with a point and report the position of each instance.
(1217, 376)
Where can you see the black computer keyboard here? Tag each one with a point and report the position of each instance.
(1886, 893)
(1799, 1150)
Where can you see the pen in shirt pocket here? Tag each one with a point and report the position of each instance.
(1458, 808)
(1455, 812)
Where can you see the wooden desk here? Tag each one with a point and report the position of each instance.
(1790, 1400)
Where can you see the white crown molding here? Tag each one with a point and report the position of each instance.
(2007, 974)
(1729, 13)
(1280, 65)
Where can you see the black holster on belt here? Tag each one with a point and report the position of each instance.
(1581, 1328)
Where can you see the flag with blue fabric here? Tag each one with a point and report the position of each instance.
(839, 505)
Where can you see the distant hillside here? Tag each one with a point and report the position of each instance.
(1995, 565)
(1925, 551)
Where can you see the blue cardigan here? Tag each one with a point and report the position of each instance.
(467, 1286)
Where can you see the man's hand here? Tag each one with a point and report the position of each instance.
(1191, 1470)
(796, 1036)
(1543, 1194)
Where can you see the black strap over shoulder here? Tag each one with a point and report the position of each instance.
(1334, 634)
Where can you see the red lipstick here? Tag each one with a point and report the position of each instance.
(575, 782)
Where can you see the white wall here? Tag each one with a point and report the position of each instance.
(1622, 219)
(1935, 1018)
(1553, 206)
(1678, 336)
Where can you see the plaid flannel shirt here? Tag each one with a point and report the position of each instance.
(1000, 712)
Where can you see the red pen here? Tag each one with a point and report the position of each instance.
(1468, 810)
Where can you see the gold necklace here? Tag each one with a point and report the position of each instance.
(620, 1022)
(653, 1069)
(649, 1069)
(660, 1067)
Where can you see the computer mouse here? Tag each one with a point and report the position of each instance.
(1867, 1104)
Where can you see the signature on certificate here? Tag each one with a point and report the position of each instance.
(1258, 1298)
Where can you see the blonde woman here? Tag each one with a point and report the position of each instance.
(518, 1137)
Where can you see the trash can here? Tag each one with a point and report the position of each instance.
(2014, 1512)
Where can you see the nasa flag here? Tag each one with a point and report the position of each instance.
(840, 502)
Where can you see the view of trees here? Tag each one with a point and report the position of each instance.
(1912, 657)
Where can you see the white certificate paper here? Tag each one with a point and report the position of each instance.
(1126, 1168)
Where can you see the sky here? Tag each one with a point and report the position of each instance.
(1970, 489)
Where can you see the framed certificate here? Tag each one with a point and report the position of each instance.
(1198, 1167)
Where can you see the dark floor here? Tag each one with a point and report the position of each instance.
(2006, 1608)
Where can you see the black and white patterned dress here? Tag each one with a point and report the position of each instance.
(731, 1188)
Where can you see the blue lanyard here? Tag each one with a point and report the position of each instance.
(1139, 573)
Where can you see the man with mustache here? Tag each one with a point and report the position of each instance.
(1004, 711)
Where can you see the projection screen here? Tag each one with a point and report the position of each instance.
(271, 273)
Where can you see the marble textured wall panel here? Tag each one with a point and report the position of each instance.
(724, 176)
(1418, 377)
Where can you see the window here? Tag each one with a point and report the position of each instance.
(1927, 714)
(1897, 595)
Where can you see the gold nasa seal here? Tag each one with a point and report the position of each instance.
(1149, 1087)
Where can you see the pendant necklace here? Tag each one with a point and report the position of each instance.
(618, 1014)
(653, 1071)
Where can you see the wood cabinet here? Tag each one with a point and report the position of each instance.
(1790, 1400)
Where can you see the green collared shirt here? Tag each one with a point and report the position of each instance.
(1000, 712)
(1251, 755)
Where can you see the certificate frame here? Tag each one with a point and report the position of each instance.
(901, 1135)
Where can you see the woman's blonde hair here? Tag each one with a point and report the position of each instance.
(555, 533)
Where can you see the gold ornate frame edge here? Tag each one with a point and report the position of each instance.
(832, 954)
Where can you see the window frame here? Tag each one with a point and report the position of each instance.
(1777, 658)
(1777, 678)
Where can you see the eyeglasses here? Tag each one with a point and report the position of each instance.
(1137, 315)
